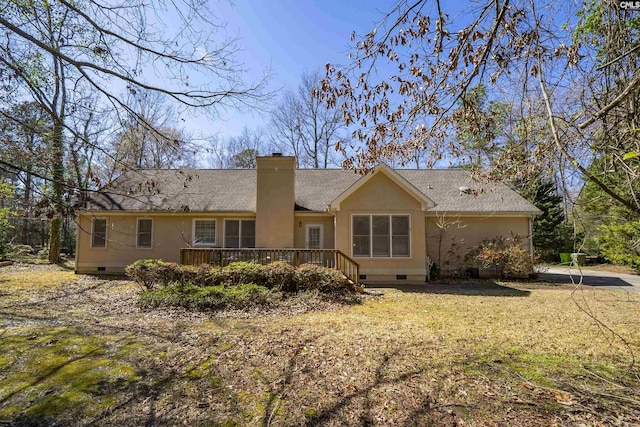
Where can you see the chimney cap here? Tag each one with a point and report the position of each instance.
(276, 154)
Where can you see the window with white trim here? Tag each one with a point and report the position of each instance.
(99, 233)
(204, 232)
(145, 233)
(239, 233)
(381, 236)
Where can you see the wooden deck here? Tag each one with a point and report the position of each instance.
(331, 258)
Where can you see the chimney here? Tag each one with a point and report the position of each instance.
(275, 201)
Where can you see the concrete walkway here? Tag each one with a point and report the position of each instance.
(600, 279)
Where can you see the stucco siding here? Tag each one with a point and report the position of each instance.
(275, 201)
(301, 223)
(380, 195)
(448, 243)
(170, 233)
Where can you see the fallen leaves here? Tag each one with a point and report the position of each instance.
(452, 358)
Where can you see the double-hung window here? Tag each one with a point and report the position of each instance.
(99, 233)
(381, 236)
(144, 239)
(239, 233)
(204, 232)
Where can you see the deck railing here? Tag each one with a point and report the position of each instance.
(331, 258)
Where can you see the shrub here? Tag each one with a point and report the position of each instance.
(22, 250)
(243, 272)
(237, 285)
(43, 253)
(433, 270)
(315, 277)
(620, 243)
(202, 298)
(149, 272)
(280, 276)
(505, 255)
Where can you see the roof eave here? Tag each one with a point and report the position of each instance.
(435, 213)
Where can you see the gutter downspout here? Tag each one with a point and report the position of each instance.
(335, 227)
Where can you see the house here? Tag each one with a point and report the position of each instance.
(390, 222)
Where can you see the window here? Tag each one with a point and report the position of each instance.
(400, 236)
(145, 233)
(361, 230)
(381, 236)
(99, 233)
(239, 233)
(204, 232)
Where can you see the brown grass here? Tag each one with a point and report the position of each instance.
(76, 350)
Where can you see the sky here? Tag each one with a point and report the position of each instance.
(287, 37)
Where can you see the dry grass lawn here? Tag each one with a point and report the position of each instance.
(76, 350)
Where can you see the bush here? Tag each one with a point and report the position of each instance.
(620, 243)
(151, 272)
(505, 255)
(280, 276)
(43, 253)
(202, 298)
(315, 277)
(243, 272)
(22, 250)
(237, 285)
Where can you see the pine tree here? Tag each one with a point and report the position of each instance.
(551, 233)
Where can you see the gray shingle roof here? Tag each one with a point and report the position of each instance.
(231, 190)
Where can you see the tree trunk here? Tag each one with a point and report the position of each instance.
(26, 208)
(57, 166)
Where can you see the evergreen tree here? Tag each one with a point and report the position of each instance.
(551, 233)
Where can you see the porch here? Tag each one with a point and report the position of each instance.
(330, 258)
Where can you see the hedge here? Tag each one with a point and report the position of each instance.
(278, 276)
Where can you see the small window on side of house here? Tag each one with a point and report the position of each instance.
(204, 232)
(99, 233)
(145, 233)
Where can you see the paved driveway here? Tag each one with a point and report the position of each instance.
(600, 279)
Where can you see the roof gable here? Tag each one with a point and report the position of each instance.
(400, 181)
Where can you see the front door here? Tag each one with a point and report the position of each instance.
(314, 241)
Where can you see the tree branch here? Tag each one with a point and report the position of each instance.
(561, 148)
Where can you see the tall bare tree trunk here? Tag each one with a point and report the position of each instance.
(26, 200)
(57, 166)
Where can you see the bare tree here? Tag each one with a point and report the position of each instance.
(152, 143)
(237, 152)
(50, 51)
(25, 131)
(302, 124)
